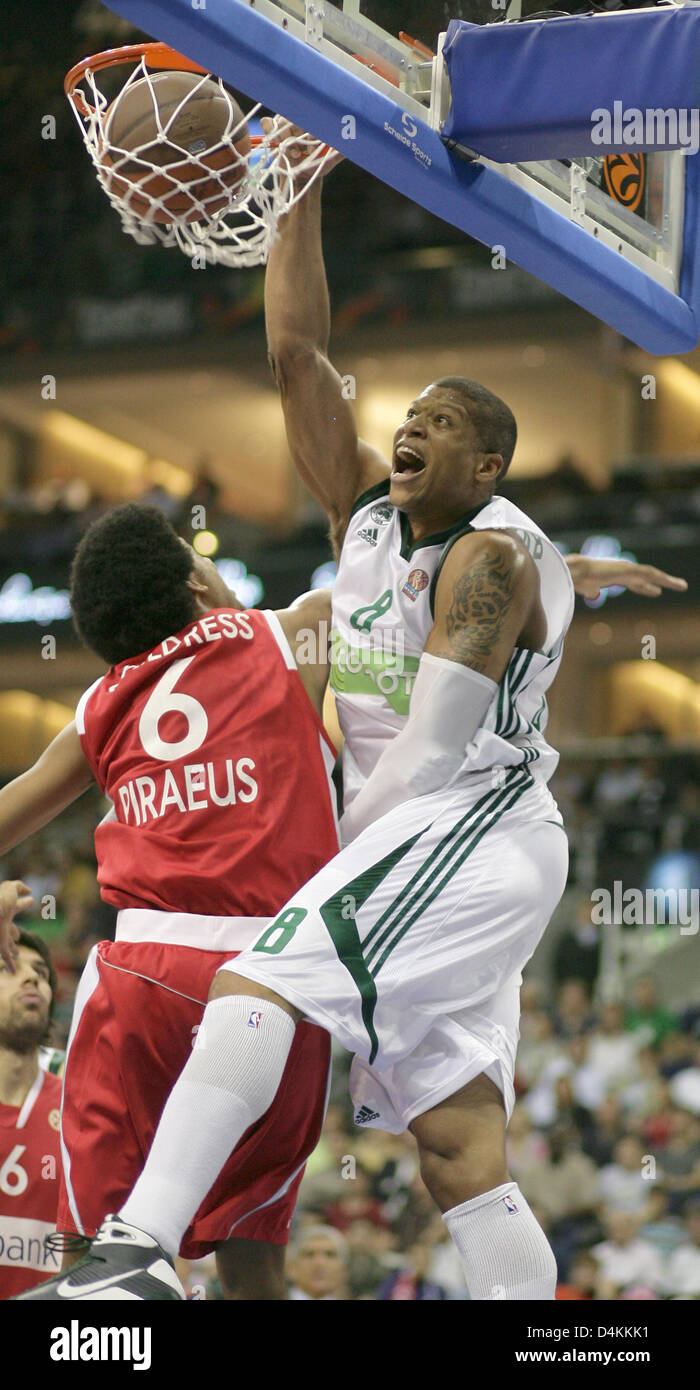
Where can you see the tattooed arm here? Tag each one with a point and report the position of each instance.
(487, 600)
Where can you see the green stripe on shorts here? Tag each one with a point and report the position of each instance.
(450, 865)
(339, 913)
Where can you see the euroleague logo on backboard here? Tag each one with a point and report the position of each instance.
(624, 178)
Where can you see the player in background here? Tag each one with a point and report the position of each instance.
(409, 945)
(208, 740)
(30, 1100)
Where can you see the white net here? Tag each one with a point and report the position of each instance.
(219, 202)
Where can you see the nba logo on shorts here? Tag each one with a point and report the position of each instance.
(510, 1206)
(254, 1018)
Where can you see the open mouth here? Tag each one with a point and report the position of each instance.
(407, 463)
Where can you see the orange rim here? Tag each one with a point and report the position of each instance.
(157, 55)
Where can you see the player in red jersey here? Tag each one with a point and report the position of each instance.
(208, 740)
(30, 1160)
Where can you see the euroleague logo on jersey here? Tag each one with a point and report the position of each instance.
(55, 1119)
(417, 581)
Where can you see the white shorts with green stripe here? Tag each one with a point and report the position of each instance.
(409, 945)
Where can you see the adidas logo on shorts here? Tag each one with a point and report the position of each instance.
(364, 1115)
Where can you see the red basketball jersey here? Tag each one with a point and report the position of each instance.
(218, 768)
(30, 1161)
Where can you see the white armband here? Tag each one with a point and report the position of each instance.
(448, 704)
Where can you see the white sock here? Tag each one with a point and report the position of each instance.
(505, 1253)
(227, 1084)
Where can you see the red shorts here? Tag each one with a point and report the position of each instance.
(137, 1010)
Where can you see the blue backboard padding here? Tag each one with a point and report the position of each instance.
(690, 266)
(270, 65)
(527, 91)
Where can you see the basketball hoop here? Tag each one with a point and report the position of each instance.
(220, 203)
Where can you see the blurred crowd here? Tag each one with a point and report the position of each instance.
(623, 812)
(43, 522)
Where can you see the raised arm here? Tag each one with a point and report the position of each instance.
(487, 600)
(15, 897)
(61, 774)
(330, 458)
(589, 576)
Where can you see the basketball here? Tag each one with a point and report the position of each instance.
(162, 119)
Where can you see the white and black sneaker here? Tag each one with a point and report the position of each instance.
(123, 1264)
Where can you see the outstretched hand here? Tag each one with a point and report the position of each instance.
(15, 897)
(590, 576)
(299, 149)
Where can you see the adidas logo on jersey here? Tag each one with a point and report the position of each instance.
(369, 534)
(364, 1115)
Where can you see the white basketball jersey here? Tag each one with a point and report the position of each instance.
(382, 615)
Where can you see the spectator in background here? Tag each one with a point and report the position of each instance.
(566, 1184)
(323, 1179)
(156, 495)
(625, 1258)
(646, 1091)
(317, 1264)
(657, 1127)
(679, 1159)
(30, 1099)
(685, 1085)
(445, 1265)
(553, 1102)
(613, 1051)
(577, 953)
(682, 822)
(646, 1016)
(587, 1084)
(662, 1230)
(675, 1054)
(391, 1163)
(537, 1051)
(525, 1145)
(582, 1280)
(606, 1128)
(572, 1010)
(411, 1282)
(618, 785)
(372, 1256)
(683, 1267)
(355, 1203)
(623, 1186)
(205, 493)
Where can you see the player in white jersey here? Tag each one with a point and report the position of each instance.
(449, 611)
